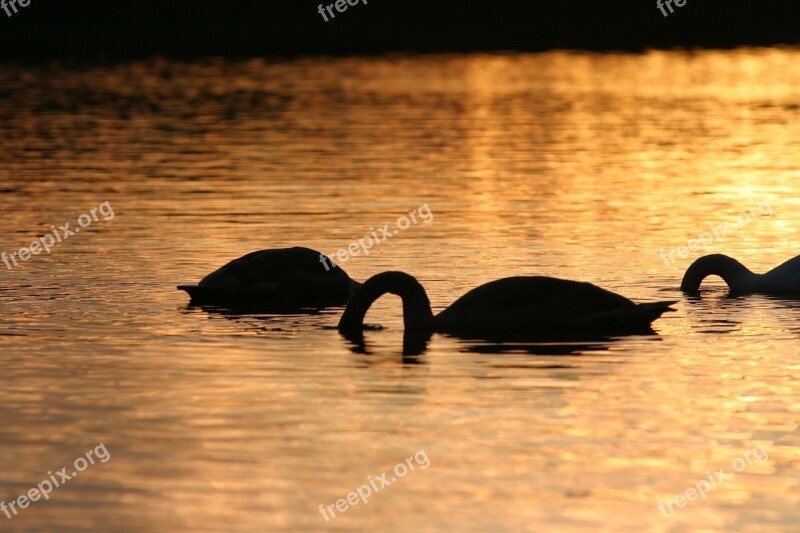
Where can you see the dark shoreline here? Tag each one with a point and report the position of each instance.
(94, 30)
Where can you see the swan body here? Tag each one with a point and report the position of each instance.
(285, 277)
(511, 307)
(783, 279)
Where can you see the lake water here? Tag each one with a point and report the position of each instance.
(581, 166)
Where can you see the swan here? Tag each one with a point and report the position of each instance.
(285, 277)
(506, 308)
(783, 279)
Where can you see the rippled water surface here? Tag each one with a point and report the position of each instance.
(588, 167)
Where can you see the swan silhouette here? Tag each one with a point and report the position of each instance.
(285, 277)
(507, 308)
(783, 279)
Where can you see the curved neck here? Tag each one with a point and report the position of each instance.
(416, 305)
(735, 274)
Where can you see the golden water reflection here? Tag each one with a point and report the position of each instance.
(582, 166)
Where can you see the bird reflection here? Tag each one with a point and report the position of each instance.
(536, 349)
(235, 309)
(562, 344)
(415, 343)
(719, 311)
(705, 318)
(260, 319)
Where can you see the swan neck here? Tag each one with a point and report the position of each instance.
(737, 276)
(417, 314)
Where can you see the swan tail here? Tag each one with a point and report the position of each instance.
(653, 310)
(633, 319)
(661, 307)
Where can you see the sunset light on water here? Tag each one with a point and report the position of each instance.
(616, 168)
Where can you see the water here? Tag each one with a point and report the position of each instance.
(582, 166)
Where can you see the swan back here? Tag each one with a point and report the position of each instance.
(542, 304)
(784, 278)
(287, 276)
